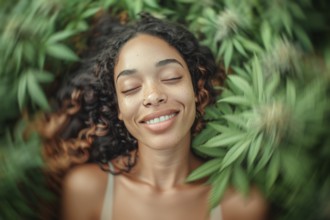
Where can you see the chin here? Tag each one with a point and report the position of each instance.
(163, 142)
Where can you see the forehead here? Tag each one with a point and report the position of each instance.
(143, 50)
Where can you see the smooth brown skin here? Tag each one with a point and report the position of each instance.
(155, 188)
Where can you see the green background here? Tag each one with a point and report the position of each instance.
(270, 125)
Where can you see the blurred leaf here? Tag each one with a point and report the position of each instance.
(239, 100)
(266, 34)
(211, 151)
(267, 152)
(43, 76)
(235, 152)
(29, 52)
(223, 140)
(223, 48)
(36, 93)
(240, 180)
(237, 120)
(108, 3)
(287, 22)
(18, 55)
(205, 169)
(79, 25)
(224, 108)
(257, 78)
(152, 3)
(219, 127)
(203, 136)
(303, 38)
(228, 54)
(90, 12)
(239, 71)
(41, 58)
(212, 112)
(249, 45)
(297, 11)
(21, 91)
(219, 185)
(290, 92)
(59, 36)
(243, 85)
(254, 150)
(62, 52)
(239, 47)
(209, 14)
(137, 7)
(272, 85)
(273, 170)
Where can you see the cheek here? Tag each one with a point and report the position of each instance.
(127, 112)
(189, 100)
(187, 96)
(127, 108)
(192, 106)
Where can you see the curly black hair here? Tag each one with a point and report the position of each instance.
(93, 89)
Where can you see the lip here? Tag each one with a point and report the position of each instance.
(159, 127)
(158, 114)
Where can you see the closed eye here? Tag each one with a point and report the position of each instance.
(174, 79)
(130, 91)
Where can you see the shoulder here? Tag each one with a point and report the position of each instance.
(237, 206)
(85, 178)
(83, 191)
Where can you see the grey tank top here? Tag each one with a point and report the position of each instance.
(108, 202)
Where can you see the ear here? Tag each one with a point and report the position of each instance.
(196, 99)
(120, 116)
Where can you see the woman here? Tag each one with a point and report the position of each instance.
(141, 103)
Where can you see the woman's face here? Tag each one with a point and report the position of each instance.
(155, 94)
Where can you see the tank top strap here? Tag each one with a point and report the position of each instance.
(216, 213)
(106, 213)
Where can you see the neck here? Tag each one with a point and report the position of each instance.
(165, 168)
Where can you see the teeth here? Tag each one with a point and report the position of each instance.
(160, 119)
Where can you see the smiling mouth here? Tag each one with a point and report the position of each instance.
(160, 119)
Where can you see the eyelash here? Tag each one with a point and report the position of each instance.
(172, 79)
(129, 90)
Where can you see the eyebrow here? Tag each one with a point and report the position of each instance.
(158, 64)
(167, 61)
(126, 73)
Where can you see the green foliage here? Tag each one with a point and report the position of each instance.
(21, 181)
(278, 103)
(268, 127)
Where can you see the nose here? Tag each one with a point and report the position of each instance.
(154, 97)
